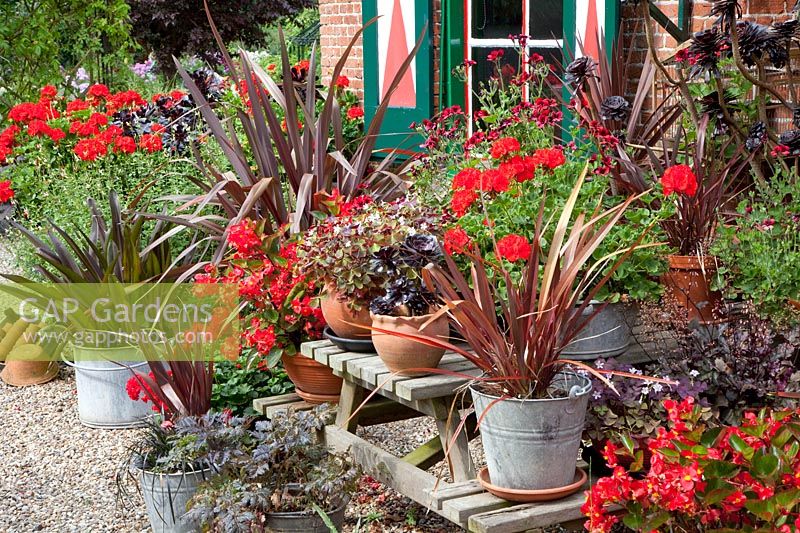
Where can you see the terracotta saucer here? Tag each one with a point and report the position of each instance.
(317, 398)
(528, 496)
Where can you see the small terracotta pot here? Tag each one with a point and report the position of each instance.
(400, 354)
(25, 365)
(341, 318)
(688, 282)
(315, 382)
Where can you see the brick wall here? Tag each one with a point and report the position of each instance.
(761, 11)
(340, 20)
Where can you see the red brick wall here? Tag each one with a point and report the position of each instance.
(340, 20)
(761, 11)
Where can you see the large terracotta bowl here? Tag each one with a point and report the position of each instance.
(314, 382)
(342, 319)
(529, 496)
(401, 354)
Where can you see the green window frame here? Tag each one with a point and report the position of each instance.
(456, 39)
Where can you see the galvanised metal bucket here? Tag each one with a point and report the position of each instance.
(166, 497)
(533, 444)
(103, 401)
(606, 335)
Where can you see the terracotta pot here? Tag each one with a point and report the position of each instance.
(688, 282)
(315, 382)
(341, 318)
(400, 354)
(529, 496)
(28, 368)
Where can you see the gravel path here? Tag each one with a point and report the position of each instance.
(55, 474)
(59, 476)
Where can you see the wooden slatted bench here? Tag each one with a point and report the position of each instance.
(462, 501)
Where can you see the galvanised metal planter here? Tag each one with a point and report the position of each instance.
(103, 401)
(606, 335)
(305, 522)
(166, 497)
(533, 444)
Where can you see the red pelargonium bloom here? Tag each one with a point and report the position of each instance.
(513, 248)
(468, 178)
(355, 113)
(98, 90)
(124, 144)
(6, 192)
(151, 143)
(503, 147)
(550, 158)
(456, 241)
(679, 179)
(496, 180)
(342, 82)
(48, 92)
(90, 149)
(77, 105)
(27, 111)
(462, 200)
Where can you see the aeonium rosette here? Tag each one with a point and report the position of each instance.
(280, 308)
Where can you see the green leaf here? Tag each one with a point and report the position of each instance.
(741, 446)
(765, 465)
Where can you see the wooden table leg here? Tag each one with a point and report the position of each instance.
(351, 398)
(457, 451)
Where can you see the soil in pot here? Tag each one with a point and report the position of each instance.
(400, 354)
(532, 444)
(342, 319)
(688, 284)
(315, 382)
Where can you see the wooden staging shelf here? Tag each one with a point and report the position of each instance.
(463, 502)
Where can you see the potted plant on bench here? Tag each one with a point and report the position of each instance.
(530, 405)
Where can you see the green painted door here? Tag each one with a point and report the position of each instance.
(386, 43)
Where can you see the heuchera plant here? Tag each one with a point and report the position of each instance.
(700, 478)
(356, 250)
(280, 308)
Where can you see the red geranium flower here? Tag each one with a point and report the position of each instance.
(468, 178)
(496, 180)
(6, 192)
(98, 90)
(90, 149)
(462, 200)
(48, 92)
(550, 158)
(504, 146)
(342, 82)
(679, 179)
(77, 105)
(513, 248)
(124, 144)
(151, 143)
(355, 113)
(456, 241)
